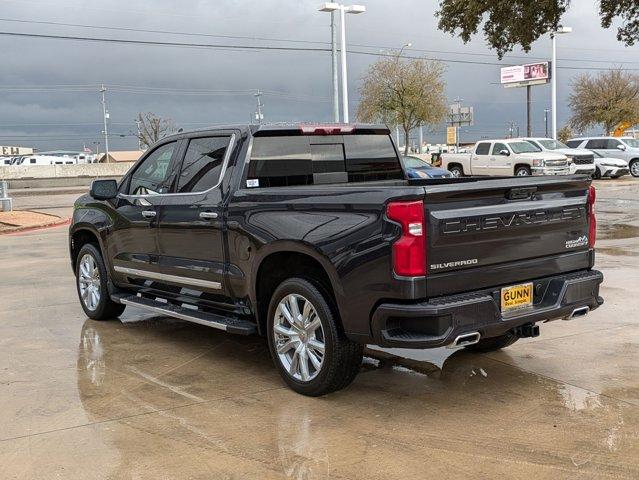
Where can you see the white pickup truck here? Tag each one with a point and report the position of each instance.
(505, 157)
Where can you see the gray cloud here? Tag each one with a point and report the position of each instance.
(301, 80)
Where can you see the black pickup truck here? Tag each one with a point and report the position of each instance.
(311, 236)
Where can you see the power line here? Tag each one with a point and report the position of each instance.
(265, 48)
(272, 39)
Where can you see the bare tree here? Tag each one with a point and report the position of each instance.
(406, 93)
(152, 128)
(606, 99)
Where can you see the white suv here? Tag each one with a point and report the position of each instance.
(625, 148)
(579, 159)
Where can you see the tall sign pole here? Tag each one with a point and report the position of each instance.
(334, 66)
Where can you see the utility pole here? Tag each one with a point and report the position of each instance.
(137, 122)
(105, 116)
(421, 140)
(334, 66)
(546, 112)
(342, 21)
(258, 115)
(528, 114)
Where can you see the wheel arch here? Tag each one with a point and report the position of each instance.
(80, 236)
(521, 164)
(286, 260)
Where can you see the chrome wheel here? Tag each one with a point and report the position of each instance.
(299, 337)
(634, 168)
(89, 282)
(522, 172)
(455, 172)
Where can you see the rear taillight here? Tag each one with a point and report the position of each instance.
(409, 250)
(592, 218)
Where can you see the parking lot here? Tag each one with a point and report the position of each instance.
(153, 397)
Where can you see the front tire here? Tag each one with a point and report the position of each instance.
(92, 284)
(634, 168)
(493, 343)
(597, 174)
(307, 344)
(523, 171)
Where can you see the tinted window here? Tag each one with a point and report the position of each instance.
(482, 149)
(498, 147)
(596, 143)
(202, 164)
(573, 143)
(306, 160)
(153, 175)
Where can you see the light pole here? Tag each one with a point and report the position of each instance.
(546, 112)
(343, 10)
(553, 35)
(105, 116)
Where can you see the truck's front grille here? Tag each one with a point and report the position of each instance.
(583, 160)
(556, 163)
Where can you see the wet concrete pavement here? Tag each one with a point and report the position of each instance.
(152, 397)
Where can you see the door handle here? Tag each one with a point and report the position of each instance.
(149, 213)
(208, 215)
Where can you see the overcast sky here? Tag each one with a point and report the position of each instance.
(297, 84)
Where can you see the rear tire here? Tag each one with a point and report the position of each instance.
(92, 285)
(457, 171)
(493, 343)
(523, 171)
(327, 360)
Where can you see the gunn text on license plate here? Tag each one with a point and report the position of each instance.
(516, 296)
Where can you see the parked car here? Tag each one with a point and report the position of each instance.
(625, 148)
(608, 167)
(415, 167)
(580, 161)
(311, 236)
(505, 157)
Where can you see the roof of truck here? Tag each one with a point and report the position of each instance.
(293, 128)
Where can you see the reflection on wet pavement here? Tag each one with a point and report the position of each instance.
(152, 397)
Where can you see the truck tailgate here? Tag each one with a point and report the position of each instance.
(495, 232)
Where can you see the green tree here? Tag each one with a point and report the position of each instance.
(408, 93)
(564, 134)
(605, 99)
(508, 23)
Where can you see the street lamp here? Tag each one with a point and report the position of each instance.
(343, 9)
(553, 35)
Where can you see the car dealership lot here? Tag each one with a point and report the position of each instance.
(152, 397)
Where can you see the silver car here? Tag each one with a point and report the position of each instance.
(625, 148)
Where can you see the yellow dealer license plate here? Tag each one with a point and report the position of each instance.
(517, 296)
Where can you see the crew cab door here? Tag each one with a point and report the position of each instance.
(480, 159)
(500, 162)
(132, 241)
(191, 240)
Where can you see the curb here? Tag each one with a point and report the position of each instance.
(18, 230)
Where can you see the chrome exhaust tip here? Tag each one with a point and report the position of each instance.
(577, 312)
(465, 340)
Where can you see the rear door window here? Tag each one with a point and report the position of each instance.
(573, 143)
(612, 144)
(310, 160)
(596, 143)
(482, 148)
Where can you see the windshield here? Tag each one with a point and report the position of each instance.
(552, 144)
(631, 142)
(413, 162)
(523, 147)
